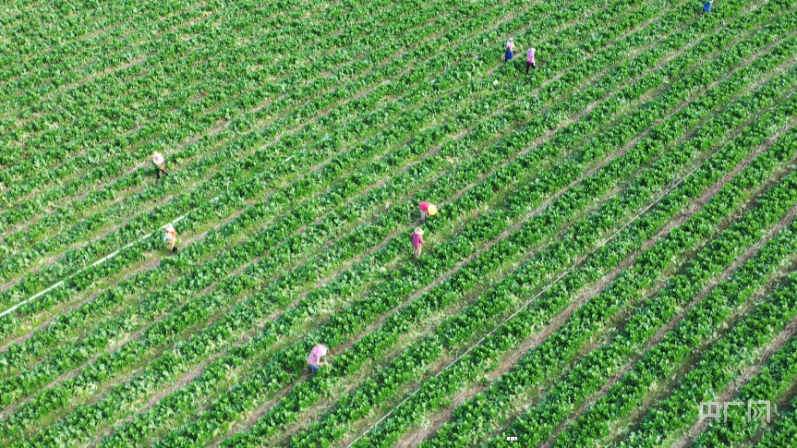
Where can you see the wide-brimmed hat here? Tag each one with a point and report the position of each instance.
(419, 231)
(169, 228)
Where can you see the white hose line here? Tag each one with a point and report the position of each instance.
(96, 263)
(108, 257)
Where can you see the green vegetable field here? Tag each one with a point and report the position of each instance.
(615, 246)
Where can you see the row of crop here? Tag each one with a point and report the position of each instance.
(767, 123)
(361, 180)
(343, 189)
(47, 47)
(588, 318)
(483, 412)
(769, 384)
(664, 357)
(189, 40)
(297, 94)
(253, 246)
(589, 375)
(657, 363)
(783, 433)
(478, 415)
(106, 95)
(349, 323)
(560, 292)
(459, 328)
(176, 99)
(717, 367)
(18, 18)
(49, 73)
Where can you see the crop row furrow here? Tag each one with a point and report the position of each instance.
(326, 339)
(469, 439)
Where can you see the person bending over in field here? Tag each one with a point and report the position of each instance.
(427, 209)
(417, 241)
(160, 165)
(510, 48)
(706, 7)
(314, 358)
(170, 236)
(530, 60)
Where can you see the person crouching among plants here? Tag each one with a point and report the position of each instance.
(160, 165)
(170, 237)
(314, 358)
(427, 209)
(417, 241)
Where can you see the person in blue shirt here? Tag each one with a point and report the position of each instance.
(706, 7)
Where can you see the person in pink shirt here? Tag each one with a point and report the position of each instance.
(417, 241)
(427, 209)
(314, 358)
(510, 50)
(530, 60)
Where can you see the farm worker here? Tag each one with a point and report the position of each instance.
(417, 241)
(530, 60)
(160, 164)
(706, 7)
(427, 209)
(170, 236)
(314, 358)
(510, 47)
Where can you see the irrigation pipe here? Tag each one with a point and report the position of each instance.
(529, 302)
(98, 262)
(110, 256)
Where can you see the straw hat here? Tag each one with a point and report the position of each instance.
(419, 231)
(432, 210)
